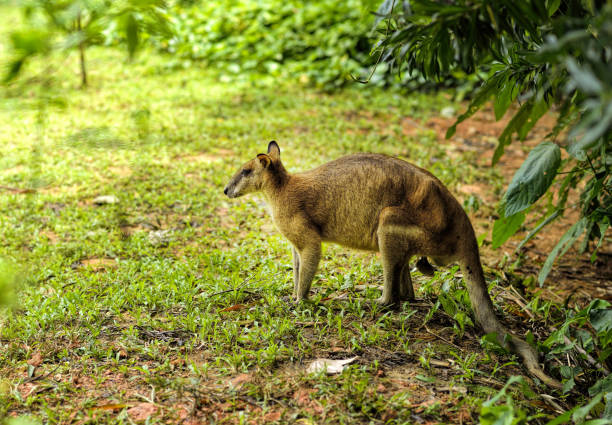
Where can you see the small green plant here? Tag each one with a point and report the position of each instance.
(493, 413)
(586, 337)
(78, 24)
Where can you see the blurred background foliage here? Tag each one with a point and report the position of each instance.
(325, 43)
(322, 42)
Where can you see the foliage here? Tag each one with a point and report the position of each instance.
(590, 330)
(584, 340)
(322, 42)
(492, 413)
(76, 24)
(541, 54)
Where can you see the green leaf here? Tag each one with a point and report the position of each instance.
(608, 409)
(505, 227)
(502, 392)
(582, 412)
(563, 419)
(604, 421)
(14, 68)
(562, 246)
(583, 77)
(602, 386)
(448, 305)
(552, 6)
(504, 98)
(30, 42)
(515, 123)
(603, 226)
(533, 178)
(601, 319)
(539, 227)
(540, 107)
(131, 33)
(484, 93)
(593, 129)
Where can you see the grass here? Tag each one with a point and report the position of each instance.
(170, 304)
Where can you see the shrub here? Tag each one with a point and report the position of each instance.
(322, 42)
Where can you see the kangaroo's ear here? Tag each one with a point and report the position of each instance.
(264, 160)
(273, 150)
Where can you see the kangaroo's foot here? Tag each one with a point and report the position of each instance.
(388, 302)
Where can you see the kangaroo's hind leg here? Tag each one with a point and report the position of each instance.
(397, 241)
(296, 271)
(406, 291)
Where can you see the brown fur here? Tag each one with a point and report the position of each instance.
(377, 203)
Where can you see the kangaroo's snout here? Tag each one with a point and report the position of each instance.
(225, 191)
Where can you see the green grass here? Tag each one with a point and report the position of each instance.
(169, 295)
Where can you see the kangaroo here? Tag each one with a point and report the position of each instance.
(377, 203)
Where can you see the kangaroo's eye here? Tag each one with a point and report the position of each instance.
(246, 172)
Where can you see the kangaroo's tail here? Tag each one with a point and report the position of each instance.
(485, 315)
(425, 267)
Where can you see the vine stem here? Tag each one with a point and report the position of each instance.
(382, 52)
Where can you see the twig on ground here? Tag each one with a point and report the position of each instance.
(550, 400)
(441, 337)
(523, 307)
(17, 189)
(39, 377)
(489, 381)
(242, 284)
(588, 357)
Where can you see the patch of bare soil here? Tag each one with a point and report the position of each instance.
(208, 157)
(573, 274)
(98, 264)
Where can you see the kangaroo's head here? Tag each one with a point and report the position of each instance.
(253, 175)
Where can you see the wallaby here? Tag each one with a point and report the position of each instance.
(377, 203)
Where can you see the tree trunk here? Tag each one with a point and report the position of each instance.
(82, 55)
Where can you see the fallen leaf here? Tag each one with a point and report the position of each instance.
(113, 406)
(99, 264)
(241, 379)
(329, 365)
(5, 386)
(160, 237)
(233, 308)
(456, 388)
(302, 396)
(36, 359)
(274, 416)
(105, 200)
(439, 363)
(142, 411)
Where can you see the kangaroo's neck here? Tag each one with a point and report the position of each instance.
(275, 181)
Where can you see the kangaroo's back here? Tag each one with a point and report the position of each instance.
(345, 197)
